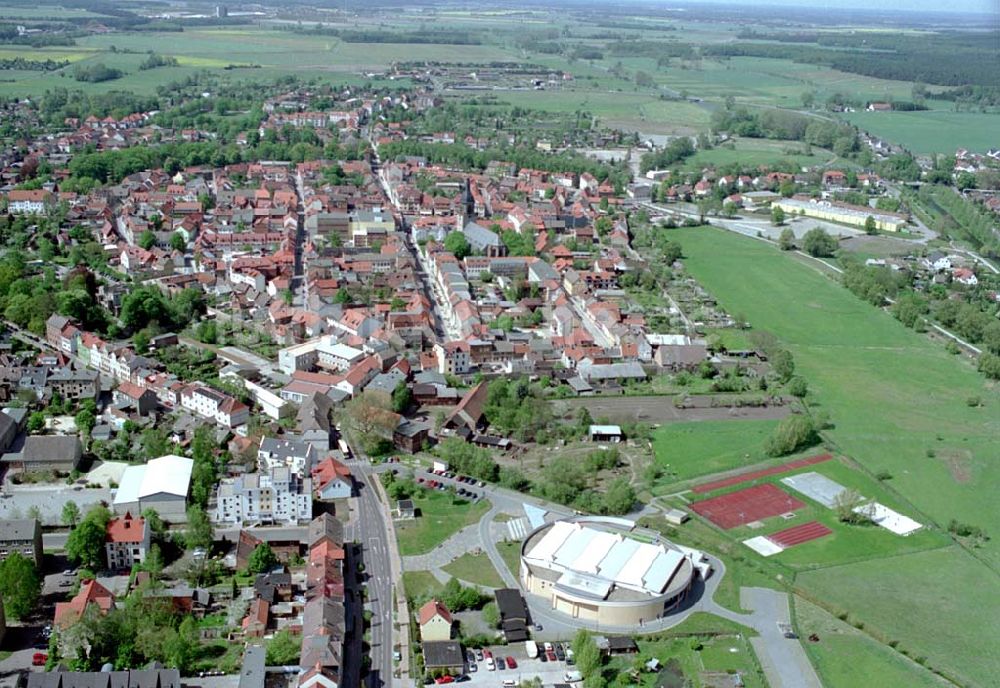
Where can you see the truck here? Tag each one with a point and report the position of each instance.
(531, 648)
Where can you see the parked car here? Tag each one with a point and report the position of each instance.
(501, 664)
(490, 664)
(560, 655)
(480, 655)
(39, 659)
(444, 679)
(551, 655)
(511, 663)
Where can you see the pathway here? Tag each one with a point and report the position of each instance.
(465, 540)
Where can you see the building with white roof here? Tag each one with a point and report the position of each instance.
(601, 570)
(160, 484)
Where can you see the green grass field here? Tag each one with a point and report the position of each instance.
(932, 131)
(441, 516)
(939, 605)
(511, 553)
(727, 654)
(755, 152)
(420, 585)
(845, 657)
(475, 568)
(689, 450)
(892, 395)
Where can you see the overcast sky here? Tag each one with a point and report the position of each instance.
(950, 6)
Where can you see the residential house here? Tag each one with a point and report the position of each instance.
(332, 479)
(435, 621)
(126, 542)
(91, 593)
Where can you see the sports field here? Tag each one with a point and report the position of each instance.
(892, 395)
(688, 450)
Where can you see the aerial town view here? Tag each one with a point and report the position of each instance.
(594, 345)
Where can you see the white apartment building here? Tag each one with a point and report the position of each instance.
(277, 496)
(294, 454)
(211, 403)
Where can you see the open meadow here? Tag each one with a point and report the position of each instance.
(932, 131)
(897, 402)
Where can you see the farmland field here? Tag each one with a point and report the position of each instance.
(892, 395)
(932, 131)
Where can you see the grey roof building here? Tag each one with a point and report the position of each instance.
(47, 452)
(22, 535)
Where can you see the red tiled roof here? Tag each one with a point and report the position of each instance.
(125, 529)
(434, 608)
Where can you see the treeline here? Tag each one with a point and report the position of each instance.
(460, 155)
(57, 104)
(948, 58)
(653, 49)
(24, 65)
(435, 36)
(963, 218)
(154, 60)
(96, 73)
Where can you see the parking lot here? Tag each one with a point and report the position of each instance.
(549, 671)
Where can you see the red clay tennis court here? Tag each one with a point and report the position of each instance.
(744, 506)
(796, 535)
(763, 473)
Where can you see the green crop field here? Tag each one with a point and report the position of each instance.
(441, 516)
(689, 450)
(892, 395)
(932, 131)
(845, 657)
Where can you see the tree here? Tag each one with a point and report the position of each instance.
(70, 514)
(371, 418)
(457, 244)
(36, 422)
(777, 215)
(870, 226)
(586, 653)
(85, 421)
(792, 434)
(147, 239)
(783, 364)
(262, 559)
(818, 243)
(786, 241)
(180, 646)
(177, 242)
(402, 397)
(846, 504)
(200, 533)
(491, 615)
(20, 585)
(207, 332)
(798, 387)
(85, 544)
(157, 527)
(283, 649)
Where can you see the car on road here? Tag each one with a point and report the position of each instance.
(39, 659)
(511, 663)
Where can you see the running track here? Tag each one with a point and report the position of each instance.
(796, 535)
(764, 472)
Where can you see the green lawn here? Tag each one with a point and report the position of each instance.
(688, 450)
(475, 568)
(932, 131)
(845, 657)
(511, 553)
(420, 584)
(441, 516)
(892, 395)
